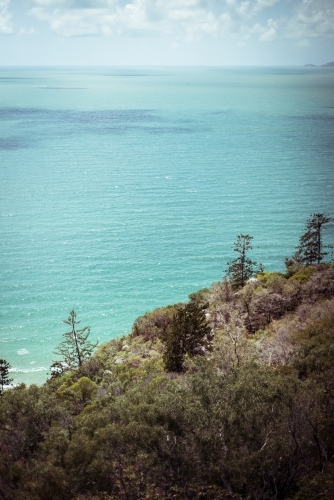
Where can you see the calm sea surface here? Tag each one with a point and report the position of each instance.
(123, 189)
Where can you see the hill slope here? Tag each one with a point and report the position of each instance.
(251, 416)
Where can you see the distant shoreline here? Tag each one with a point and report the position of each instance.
(327, 65)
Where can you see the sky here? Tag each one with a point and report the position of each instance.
(166, 32)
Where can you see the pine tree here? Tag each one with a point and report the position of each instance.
(189, 333)
(242, 268)
(311, 245)
(4, 371)
(76, 347)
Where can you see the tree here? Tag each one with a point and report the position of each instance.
(189, 333)
(4, 371)
(311, 246)
(242, 268)
(76, 347)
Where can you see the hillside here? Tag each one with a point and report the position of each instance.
(251, 415)
(327, 65)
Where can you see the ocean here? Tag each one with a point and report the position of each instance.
(124, 189)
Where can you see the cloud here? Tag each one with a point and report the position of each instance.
(303, 43)
(5, 18)
(89, 17)
(25, 31)
(267, 33)
(265, 20)
(312, 18)
(248, 9)
(309, 19)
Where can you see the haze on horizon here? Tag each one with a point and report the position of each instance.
(166, 32)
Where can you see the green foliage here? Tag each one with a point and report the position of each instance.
(46, 481)
(266, 277)
(293, 264)
(316, 356)
(303, 274)
(153, 324)
(200, 297)
(82, 391)
(26, 414)
(4, 374)
(76, 347)
(188, 333)
(319, 485)
(241, 268)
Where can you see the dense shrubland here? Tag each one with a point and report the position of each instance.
(247, 415)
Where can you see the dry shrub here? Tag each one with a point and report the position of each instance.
(221, 292)
(153, 325)
(278, 347)
(320, 284)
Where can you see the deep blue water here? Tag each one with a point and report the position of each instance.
(123, 189)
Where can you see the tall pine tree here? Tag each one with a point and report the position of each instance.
(242, 268)
(311, 245)
(76, 347)
(4, 374)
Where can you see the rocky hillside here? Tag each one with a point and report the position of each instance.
(249, 414)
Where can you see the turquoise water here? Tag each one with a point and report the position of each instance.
(123, 189)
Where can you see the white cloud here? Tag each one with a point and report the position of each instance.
(267, 33)
(25, 31)
(248, 8)
(312, 18)
(5, 18)
(308, 19)
(263, 5)
(188, 19)
(75, 18)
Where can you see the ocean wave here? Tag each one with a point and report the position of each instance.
(28, 370)
(22, 352)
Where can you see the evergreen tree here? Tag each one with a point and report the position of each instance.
(311, 246)
(242, 268)
(76, 347)
(4, 371)
(189, 333)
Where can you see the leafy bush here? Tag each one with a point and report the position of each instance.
(303, 274)
(153, 324)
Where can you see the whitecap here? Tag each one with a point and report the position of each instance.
(22, 352)
(28, 370)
